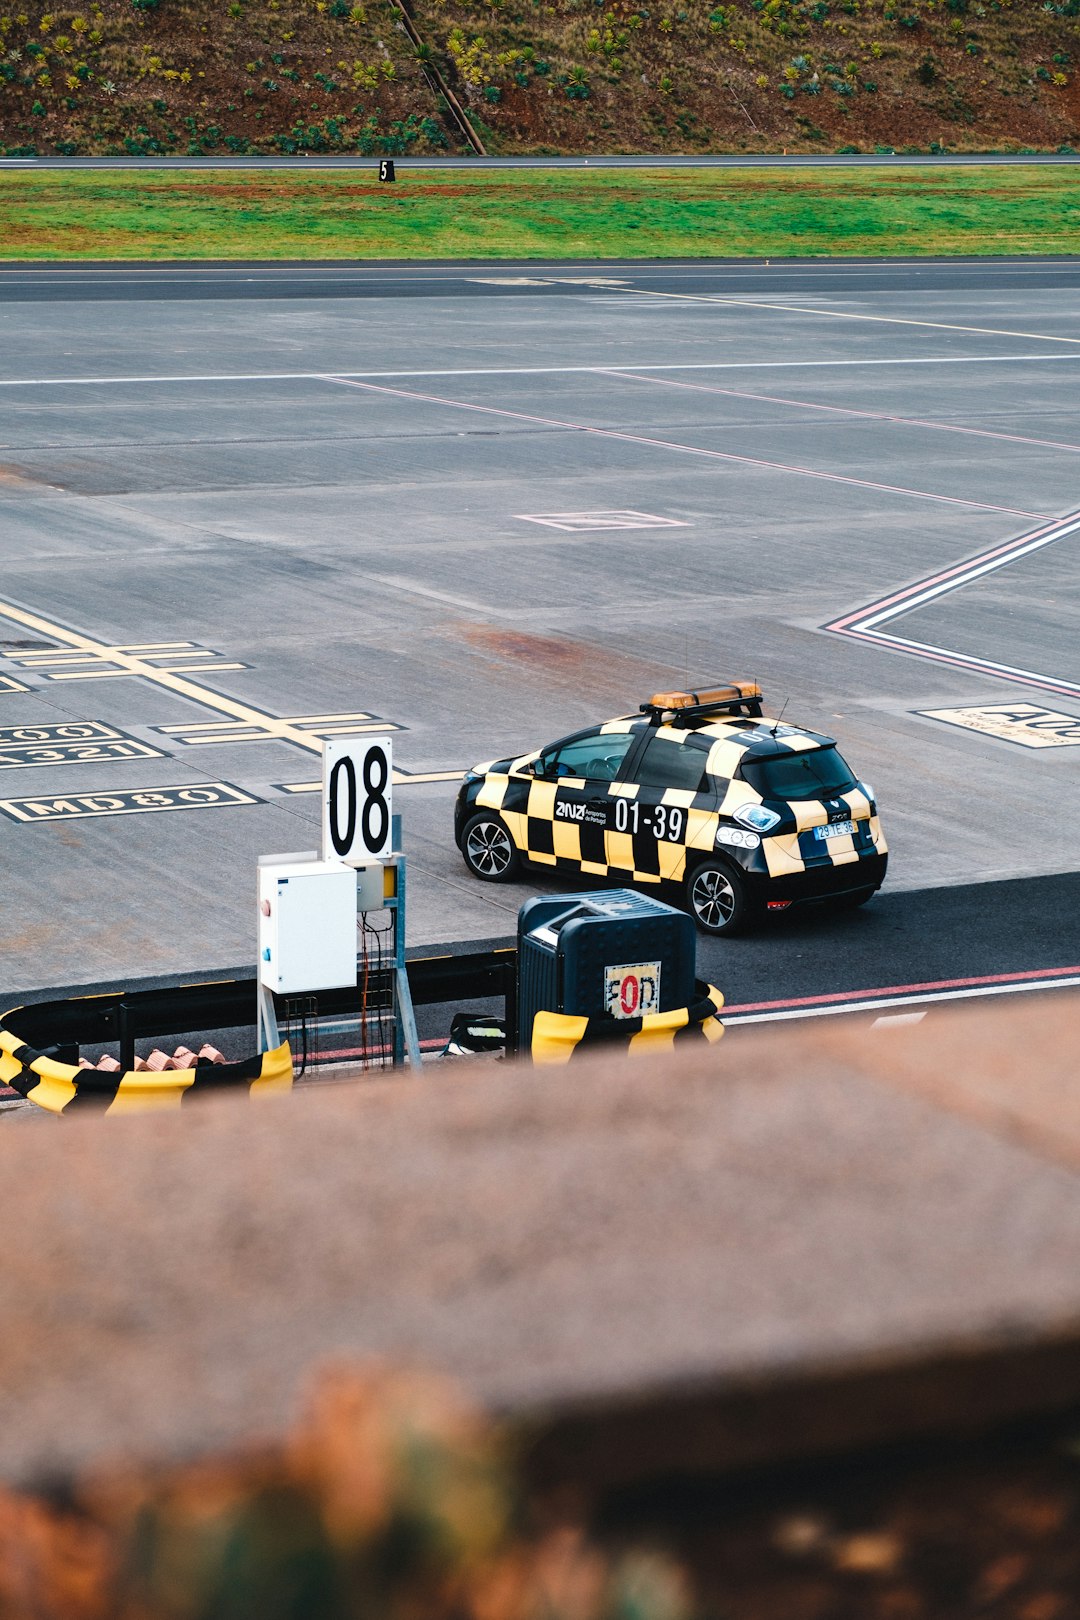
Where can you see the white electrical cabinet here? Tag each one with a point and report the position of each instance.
(307, 926)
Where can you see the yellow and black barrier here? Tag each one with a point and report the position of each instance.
(557, 1037)
(59, 1087)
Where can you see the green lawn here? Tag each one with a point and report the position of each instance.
(485, 214)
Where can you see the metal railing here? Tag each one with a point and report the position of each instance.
(122, 1017)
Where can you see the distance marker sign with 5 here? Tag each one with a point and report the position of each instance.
(357, 798)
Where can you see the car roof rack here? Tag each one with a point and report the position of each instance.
(681, 708)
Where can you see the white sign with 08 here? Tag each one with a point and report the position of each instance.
(357, 798)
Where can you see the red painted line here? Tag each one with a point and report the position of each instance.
(946, 573)
(904, 990)
(980, 666)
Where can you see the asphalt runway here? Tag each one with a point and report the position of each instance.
(230, 528)
(88, 282)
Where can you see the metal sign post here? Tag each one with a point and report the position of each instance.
(406, 1042)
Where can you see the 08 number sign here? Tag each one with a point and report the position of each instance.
(357, 798)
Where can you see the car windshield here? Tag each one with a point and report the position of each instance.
(815, 773)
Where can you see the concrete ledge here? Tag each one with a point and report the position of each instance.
(794, 1241)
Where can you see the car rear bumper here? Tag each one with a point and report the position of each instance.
(819, 882)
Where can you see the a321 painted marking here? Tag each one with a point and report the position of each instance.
(127, 802)
(76, 742)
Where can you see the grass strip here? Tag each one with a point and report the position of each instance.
(522, 214)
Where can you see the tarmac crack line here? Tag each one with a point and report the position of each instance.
(847, 411)
(562, 424)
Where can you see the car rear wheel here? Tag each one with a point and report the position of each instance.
(717, 899)
(488, 849)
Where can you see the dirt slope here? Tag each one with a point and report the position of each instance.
(214, 76)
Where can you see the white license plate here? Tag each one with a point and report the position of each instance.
(838, 829)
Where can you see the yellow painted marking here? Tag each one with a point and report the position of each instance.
(124, 674)
(172, 656)
(153, 646)
(8, 683)
(181, 685)
(55, 655)
(401, 779)
(358, 721)
(268, 725)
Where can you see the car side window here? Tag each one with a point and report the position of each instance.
(669, 764)
(597, 756)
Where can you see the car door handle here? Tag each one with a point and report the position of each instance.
(597, 804)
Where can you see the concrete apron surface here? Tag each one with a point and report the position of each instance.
(726, 1256)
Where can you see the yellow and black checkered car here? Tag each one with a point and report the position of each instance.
(697, 790)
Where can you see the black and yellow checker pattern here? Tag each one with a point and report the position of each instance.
(61, 1087)
(573, 823)
(558, 1037)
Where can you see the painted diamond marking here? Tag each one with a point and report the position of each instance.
(595, 522)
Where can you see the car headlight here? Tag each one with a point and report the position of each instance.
(737, 837)
(870, 794)
(758, 816)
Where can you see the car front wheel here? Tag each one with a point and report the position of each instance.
(717, 899)
(488, 849)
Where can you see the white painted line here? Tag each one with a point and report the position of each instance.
(969, 661)
(865, 624)
(533, 371)
(562, 424)
(836, 1008)
(848, 411)
(978, 570)
(396, 583)
(724, 299)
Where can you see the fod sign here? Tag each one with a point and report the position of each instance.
(632, 990)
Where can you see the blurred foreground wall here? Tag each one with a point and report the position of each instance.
(795, 1242)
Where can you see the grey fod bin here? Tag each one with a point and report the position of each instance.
(611, 955)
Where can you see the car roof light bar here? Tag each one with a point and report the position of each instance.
(739, 697)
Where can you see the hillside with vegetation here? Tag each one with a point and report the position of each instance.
(205, 77)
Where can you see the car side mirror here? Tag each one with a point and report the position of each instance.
(538, 769)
